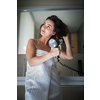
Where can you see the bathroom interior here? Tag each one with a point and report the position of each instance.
(30, 15)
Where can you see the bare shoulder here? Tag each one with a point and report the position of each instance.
(31, 48)
(32, 42)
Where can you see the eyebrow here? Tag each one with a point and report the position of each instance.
(47, 24)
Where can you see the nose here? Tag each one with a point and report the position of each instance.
(44, 26)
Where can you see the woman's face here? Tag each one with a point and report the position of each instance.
(47, 28)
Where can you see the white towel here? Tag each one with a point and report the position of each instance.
(42, 81)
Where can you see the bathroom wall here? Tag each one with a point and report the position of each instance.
(73, 93)
(81, 38)
(20, 63)
(25, 30)
(20, 92)
(63, 71)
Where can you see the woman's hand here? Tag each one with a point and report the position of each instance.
(54, 52)
(66, 37)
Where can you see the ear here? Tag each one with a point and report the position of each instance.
(54, 33)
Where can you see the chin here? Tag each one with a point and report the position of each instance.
(41, 33)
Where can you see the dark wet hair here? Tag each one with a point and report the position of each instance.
(60, 27)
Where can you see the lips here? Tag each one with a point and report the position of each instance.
(43, 31)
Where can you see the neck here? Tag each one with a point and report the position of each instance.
(44, 40)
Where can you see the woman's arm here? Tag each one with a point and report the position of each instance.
(31, 54)
(68, 54)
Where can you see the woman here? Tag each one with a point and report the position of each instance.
(42, 80)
